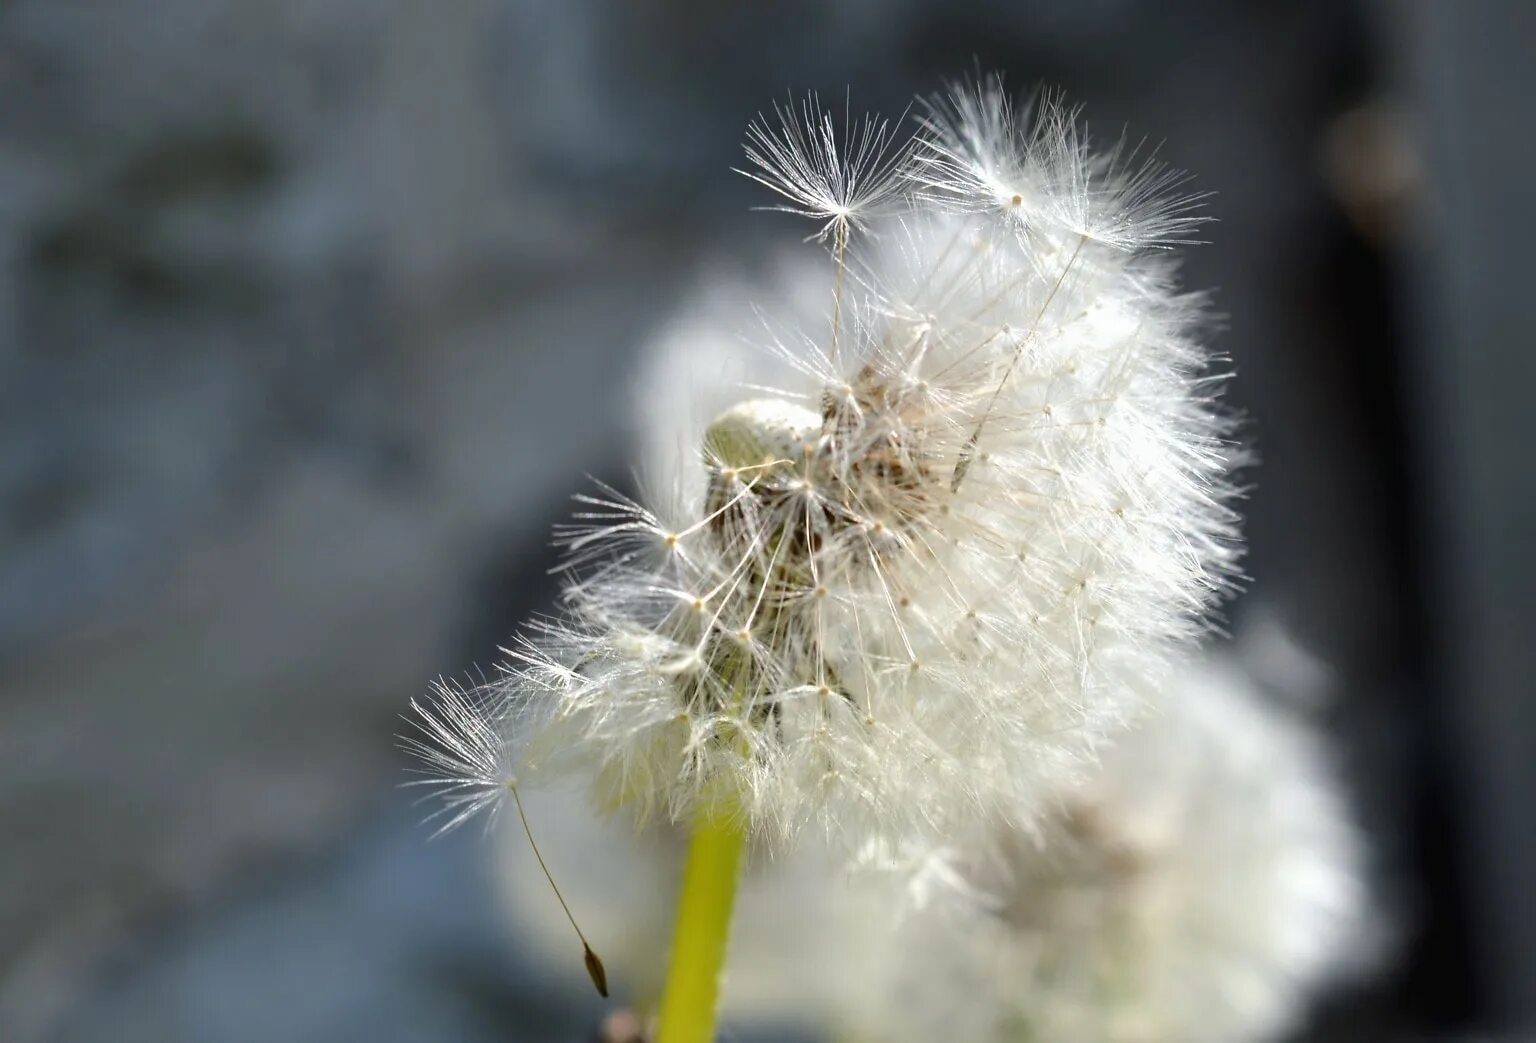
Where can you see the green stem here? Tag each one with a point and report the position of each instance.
(703, 924)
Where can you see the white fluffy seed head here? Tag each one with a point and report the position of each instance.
(1198, 891)
(984, 507)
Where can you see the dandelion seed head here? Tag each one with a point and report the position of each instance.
(939, 542)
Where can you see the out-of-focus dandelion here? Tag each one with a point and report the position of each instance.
(1199, 890)
(920, 582)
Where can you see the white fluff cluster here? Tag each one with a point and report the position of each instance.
(1197, 892)
(982, 507)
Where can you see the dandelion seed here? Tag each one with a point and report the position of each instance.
(461, 741)
(1035, 165)
(841, 178)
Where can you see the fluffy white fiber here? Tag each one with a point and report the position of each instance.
(964, 519)
(1198, 891)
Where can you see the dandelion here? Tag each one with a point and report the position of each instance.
(1197, 891)
(924, 571)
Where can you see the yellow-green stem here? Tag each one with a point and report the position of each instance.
(703, 925)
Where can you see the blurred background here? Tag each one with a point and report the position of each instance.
(312, 315)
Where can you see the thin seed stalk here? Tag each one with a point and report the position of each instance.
(703, 924)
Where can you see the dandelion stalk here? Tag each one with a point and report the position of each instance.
(703, 924)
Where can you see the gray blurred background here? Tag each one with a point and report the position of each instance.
(313, 312)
